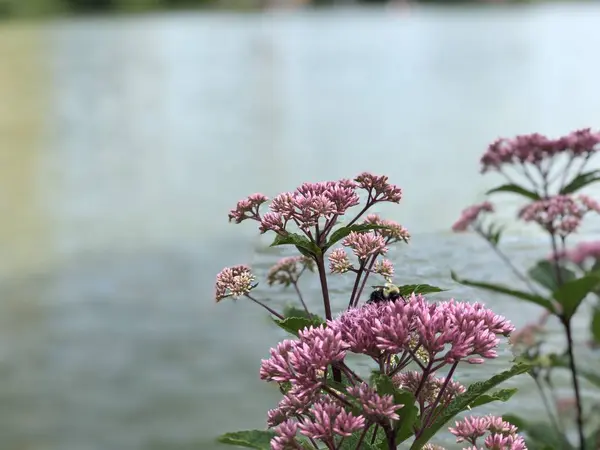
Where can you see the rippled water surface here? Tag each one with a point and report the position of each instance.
(123, 144)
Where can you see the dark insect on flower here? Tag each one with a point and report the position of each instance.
(387, 293)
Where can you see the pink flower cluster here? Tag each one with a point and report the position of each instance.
(535, 148)
(393, 334)
(471, 215)
(314, 204)
(583, 252)
(502, 435)
(560, 214)
(234, 282)
(393, 231)
(288, 270)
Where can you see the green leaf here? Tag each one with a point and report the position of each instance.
(294, 324)
(514, 189)
(538, 300)
(571, 293)
(501, 395)
(256, 439)
(351, 441)
(292, 311)
(581, 181)
(595, 324)
(342, 232)
(462, 402)
(408, 414)
(544, 273)
(302, 243)
(408, 289)
(540, 435)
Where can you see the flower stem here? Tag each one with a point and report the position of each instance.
(440, 394)
(364, 281)
(272, 311)
(337, 374)
(573, 368)
(551, 415)
(295, 283)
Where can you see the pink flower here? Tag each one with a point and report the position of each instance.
(470, 216)
(503, 435)
(247, 208)
(561, 213)
(272, 221)
(356, 327)
(375, 405)
(328, 419)
(378, 188)
(288, 270)
(394, 232)
(365, 244)
(430, 390)
(338, 261)
(385, 268)
(581, 142)
(286, 437)
(234, 282)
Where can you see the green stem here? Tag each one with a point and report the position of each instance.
(573, 368)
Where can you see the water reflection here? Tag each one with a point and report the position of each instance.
(135, 138)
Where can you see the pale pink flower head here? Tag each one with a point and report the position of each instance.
(375, 406)
(339, 261)
(272, 221)
(582, 142)
(235, 282)
(286, 436)
(584, 251)
(365, 244)
(393, 231)
(356, 326)
(430, 390)
(385, 268)
(378, 188)
(502, 435)
(471, 216)
(328, 419)
(561, 213)
(524, 149)
(247, 208)
(288, 270)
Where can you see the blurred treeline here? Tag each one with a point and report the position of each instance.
(29, 8)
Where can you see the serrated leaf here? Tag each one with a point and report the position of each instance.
(514, 189)
(537, 299)
(256, 439)
(462, 401)
(544, 273)
(571, 293)
(581, 181)
(501, 395)
(342, 232)
(294, 324)
(302, 243)
(408, 289)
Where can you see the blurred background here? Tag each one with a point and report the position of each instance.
(126, 138)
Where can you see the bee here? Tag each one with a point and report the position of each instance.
(386, 293)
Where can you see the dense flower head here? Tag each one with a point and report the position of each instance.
(379, 188)
(430, 390)
(304, 361)
(535, 148)
(471, 215)
(288, 270)
(393, 231)
(339, 261)
(583, 252)
(247, 208)
(374, 405)
(285, 438)
(365, 244)
(311, 202)
(234, 282)
(385, 268)
(328, 419)
(561, 213)
(502, 435)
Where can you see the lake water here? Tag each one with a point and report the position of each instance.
(124, 142)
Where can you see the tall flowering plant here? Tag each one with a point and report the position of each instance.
(548, 173)
(416, 347)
